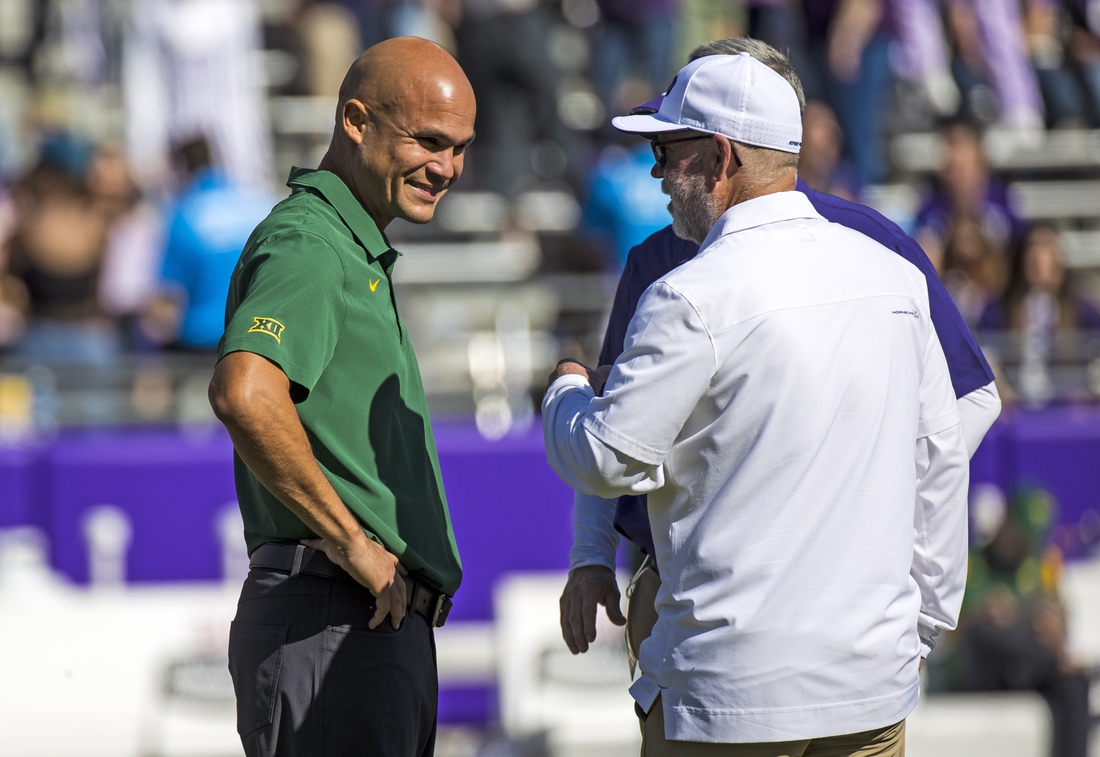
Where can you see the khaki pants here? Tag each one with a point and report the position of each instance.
(640, 618)
(641, 615)
(882, 742)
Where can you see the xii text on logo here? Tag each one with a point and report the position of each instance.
(268, 326)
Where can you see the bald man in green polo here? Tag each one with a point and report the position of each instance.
(353, 560)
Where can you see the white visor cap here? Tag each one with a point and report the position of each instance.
(733, 95)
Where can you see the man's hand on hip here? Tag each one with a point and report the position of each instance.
(250, 394)
(588, 587)
(380, 571)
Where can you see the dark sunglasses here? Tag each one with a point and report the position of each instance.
(660, 153)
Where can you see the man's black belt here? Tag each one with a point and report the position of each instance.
(298, 558)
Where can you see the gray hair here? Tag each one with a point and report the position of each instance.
(762, 51)
(766, 162)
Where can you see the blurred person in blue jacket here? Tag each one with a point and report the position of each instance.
(623, 201)
(207, 228)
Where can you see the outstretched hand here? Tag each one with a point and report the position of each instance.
(585, 590)
(375, 568)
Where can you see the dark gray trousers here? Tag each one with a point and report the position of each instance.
(313, 681)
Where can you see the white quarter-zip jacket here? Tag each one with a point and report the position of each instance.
(784, 401)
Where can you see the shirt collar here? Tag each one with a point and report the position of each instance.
(760, 211)
(333, 189)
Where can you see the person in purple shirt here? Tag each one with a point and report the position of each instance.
(1044, 297)
(965, 188)
(598, 522)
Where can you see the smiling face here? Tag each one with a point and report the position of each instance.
(406, 119)
(411, 155)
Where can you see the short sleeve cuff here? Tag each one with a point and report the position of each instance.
(296, 373)
(937, 423)
(620, 442)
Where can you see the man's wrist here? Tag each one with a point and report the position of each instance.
(350, 541)
(568, 367)
(593, 564)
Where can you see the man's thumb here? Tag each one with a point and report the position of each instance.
(614, 614)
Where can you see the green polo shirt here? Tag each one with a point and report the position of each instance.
(313, 293)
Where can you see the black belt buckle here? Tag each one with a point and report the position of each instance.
(442, 610)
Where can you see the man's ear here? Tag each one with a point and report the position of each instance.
(354, 119)
(726, 165)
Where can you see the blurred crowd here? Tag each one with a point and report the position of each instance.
(92, 269)
(121, 238)
(1007, 277)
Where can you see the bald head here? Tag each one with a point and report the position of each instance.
(392, 72)
(405, 117)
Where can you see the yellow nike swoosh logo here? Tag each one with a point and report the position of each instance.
(374, 284)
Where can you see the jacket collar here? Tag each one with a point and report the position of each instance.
(760, 211)
(332, 188)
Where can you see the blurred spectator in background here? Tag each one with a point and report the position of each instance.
(190, 68)
(820, 164)
(991, 51)
(1042, 295)
(1012, 631)
(371, 17)
(329, 34)
(1064, 100)
(922, 57)
(434, 20)
(966, 189)
(782, 24)
(332, 33)
(131, 265)
(1044, 305)
(520, 138)
(13, 295)
(847, 45)
(1083, 51)
(637, 39)
(24, 52)
(9, 140)
(206, 231)
(56, 251)
(972, 269)
(625, 203)
(701, 21)
(91, 39)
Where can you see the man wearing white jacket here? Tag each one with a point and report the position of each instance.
(784, 400)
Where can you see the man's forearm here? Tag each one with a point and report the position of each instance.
(977, 412)
(595, 539)
(251, 396)
(270, 439)
(274, 457)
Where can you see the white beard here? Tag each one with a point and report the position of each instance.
(693, 210)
